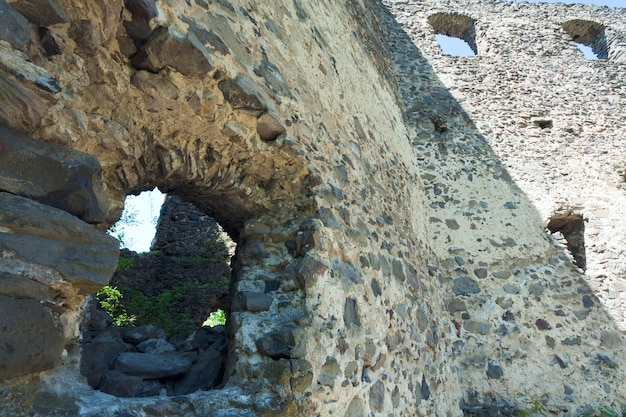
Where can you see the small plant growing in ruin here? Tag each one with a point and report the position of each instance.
(216, 318)
(159, 310)
(535, 408)
(124, 264)
(110, 301)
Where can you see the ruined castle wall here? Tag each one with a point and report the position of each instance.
(407, 272)
(554, 118)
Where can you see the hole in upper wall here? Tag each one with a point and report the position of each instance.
(137, 226)
(543, 123)
(454, 46)
(455, 33)
(589, 37)
(569, 229)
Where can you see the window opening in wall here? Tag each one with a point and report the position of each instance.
(158, 327)
(454, 46)
(589, 36)
(587, 52)
(569, 230)
(455, 33)
(137, 225)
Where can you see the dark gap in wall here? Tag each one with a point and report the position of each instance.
(591, 35)
(570, 230)
(165, 334)
(452, 25)
(543, 123)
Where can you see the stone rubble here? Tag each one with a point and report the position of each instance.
(141, 362)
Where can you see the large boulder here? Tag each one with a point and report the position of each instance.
(14, 27)
(30, 337)
(152, 365)
(98, 355)
(54, 175)
(51, 247)
(42, 12)
(204, 374)
(20, 108)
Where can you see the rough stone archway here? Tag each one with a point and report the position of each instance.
(408, 274)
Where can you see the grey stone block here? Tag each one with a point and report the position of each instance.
(31, 338)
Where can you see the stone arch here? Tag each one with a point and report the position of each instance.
(588, 33)
(244, 171)
(455, 25)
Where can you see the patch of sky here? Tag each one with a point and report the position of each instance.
(137, 226)
(454, 46)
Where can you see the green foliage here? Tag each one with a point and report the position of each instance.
(110, 301)
(535, 408)
(124, 264)
(605, 411)
(159, 310)
(216, 318)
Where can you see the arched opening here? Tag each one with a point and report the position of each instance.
(158, 328)
(589, 37)
(455, 33)
(569, 230)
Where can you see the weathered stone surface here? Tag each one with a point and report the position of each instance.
(151, 365)
(421, 167)
(307, 271)
(30, 337)
(14, 285)
(53, 175)
(465, 286)
(269, 128)
(302, 375)
(203, 374)
(93, 24)
(20, 109)
(164, 49)
(40, 242)
(140, 334)
(494, 370)
(14, 27)
(142, 9)
(377, 396)
(252, 301)
(98, 355)
(51, 404)
(351, 313)
(155, 346)
(276, 344)
(42, 12)
(19, 65)
(240, 99)
(612, 340)
(119, 384)
(329, 372)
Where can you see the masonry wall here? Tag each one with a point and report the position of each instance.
(409, 274)
(528, 71)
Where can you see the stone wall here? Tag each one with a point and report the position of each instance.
(555, 119)
(406, 259)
